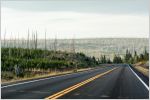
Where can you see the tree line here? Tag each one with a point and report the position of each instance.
(128, 58)
(22, 60)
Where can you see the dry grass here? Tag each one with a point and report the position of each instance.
(44, 75)
(142, 68)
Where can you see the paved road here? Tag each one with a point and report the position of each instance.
(98, 83)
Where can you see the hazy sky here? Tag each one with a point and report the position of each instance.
(76, 18)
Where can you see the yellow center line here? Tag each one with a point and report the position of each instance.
(65, 91)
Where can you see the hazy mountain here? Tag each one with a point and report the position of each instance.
(91, 47)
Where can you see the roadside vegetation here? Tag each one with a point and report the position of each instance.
(128, 58)
(21, 58)
(22, 61)
(139, 61)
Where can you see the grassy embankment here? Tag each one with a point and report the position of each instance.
(20, 64)
(36, 76)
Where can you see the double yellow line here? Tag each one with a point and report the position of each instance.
(63, 92)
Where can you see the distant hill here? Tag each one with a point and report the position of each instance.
(93, 47)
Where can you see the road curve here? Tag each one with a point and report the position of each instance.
(119, 83)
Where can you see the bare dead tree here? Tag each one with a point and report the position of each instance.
(18, 41)
(55, 44)
(15, 42)
(22, 45)
(45, 45)
(12, 40)
(73, 54)
(50, 44)
(34, 44)
(21, 42)
(55, 48)
(4, 38)
(28, 41)
(18, 45)
(28, 48)
(10, 46)
(36, 40)
(118, 50)
(32, 40)
(45, 39)
(73, 46)
(133, 48)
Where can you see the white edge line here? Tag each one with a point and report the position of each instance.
(42, 79)
(31, 81)
(139, 79)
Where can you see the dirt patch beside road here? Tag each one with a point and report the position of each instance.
(142, 67)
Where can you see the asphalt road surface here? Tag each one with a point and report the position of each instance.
(111, 82)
